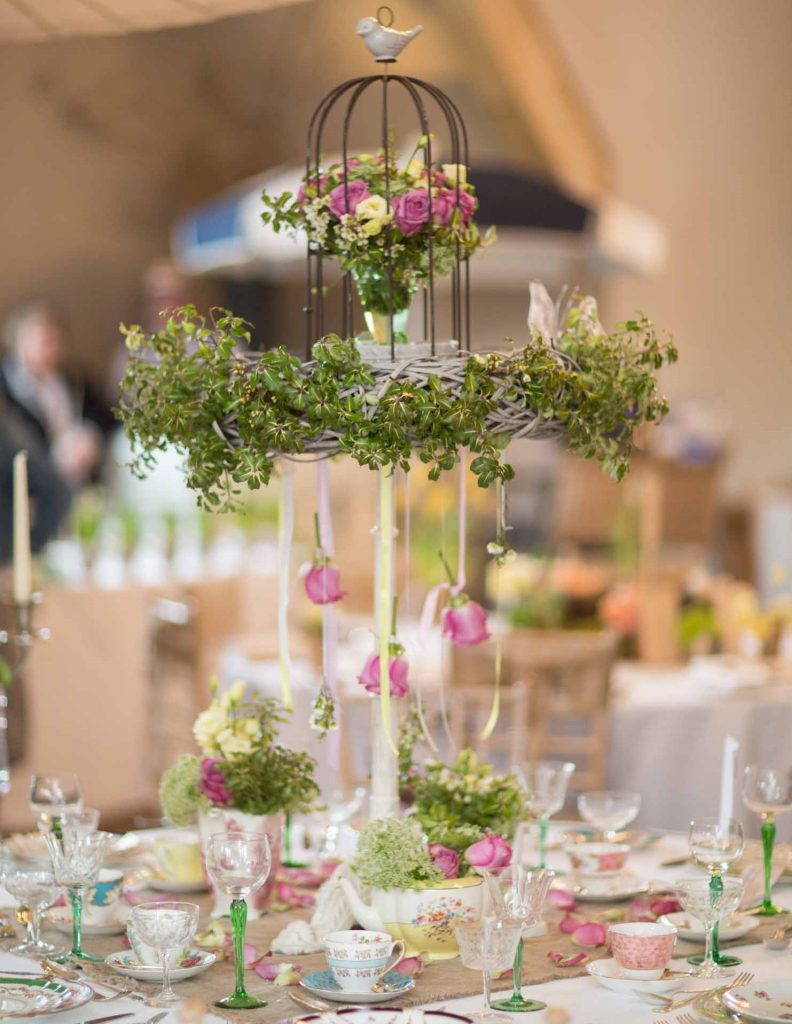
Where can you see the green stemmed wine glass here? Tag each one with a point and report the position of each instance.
(715, 844)
(76, 859)
(238, 863)
(767, 790)
(546, 783)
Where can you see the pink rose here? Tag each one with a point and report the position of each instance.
(369, 678)
(345, 197)
(467, 204)
(490, 852)
(351, 163)
(319, 185)
(445, 859)
(213, 782)
(443, 207)
(323, 584)
(465, 622)
(411, 210)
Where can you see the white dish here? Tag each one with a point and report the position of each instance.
(39, 996)
(624, 886)
(768, 1002)
(125, 963)
(610, 974)
(323, 984)
(61, 921)
(31, 847)
(691, 929)
(385, 1015)
(163, 885)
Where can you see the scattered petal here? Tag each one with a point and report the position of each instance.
(501, 975)
(279, 974)
(268, 971)
(664, 905)
(571, 923)
(289, 896)
(556, 1015)
(592, 934)
(566, 961)
(214, 937)
(614, 914)
(561, 899)
(412, 966)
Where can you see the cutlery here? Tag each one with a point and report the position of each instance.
(676, 862)
(103, 1020)
(313, 1003)
(667, 1003)
(157, 1018)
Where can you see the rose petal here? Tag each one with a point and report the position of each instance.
(412, 966)
(561, 899)
(665, 905)
(268, 970)
(566, 961)
(592, 934)
(501, 975)
(571, 923)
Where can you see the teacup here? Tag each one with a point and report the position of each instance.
(358, 959)
(101, 899)
(643, 948)
(597, 864)
(178, 857)
(148, 955)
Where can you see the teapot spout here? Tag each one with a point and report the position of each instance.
(365, 915)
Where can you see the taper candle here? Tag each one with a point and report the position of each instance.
(730, 749)
(23, 574)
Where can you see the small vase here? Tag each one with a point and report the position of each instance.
(226, 819)
(385, 302)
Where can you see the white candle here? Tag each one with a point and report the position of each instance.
(23, 575)
(730, 749)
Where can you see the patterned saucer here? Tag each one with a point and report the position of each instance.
(322, 983)
(126, 963)
(34, 997)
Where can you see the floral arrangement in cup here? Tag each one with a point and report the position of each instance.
(393, 853)
(241, 764)
(360, 210)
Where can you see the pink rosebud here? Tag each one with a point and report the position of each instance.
(561, 899)
(445, 859)
(465, 622)
(411, 210)
(412, 966)
(398, 667)
(490, 852)
(345, 197)
(323, 584)
(318, 187)
(443, 207)
(591, 935)
(213, 783)
(467, 205)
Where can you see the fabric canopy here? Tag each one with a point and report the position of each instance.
(30, 21)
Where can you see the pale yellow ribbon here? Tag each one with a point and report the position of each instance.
(385, 597)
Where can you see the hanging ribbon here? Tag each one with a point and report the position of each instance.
(429, 611)
(285, 534)
(492, 721)
(329, 619)
(385, 597)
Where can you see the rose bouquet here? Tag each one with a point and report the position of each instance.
(387, 224)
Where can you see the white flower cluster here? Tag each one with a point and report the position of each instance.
(472, 783)
(221, 730)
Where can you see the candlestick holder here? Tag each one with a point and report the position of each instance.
(18, 642)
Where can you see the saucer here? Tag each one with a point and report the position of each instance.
(322, 983)
(163, 885)
(61, 921)
(126, 963)
(623, 886)
(769, 1002)
(610, 974)
(690, 928)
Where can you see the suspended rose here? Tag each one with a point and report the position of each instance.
(465, 622)
(345, 197)
(213, 782)
(323, 584)
(445, 859)
(490, 852)
(467, 205)
(398, 667)
(411, 210)
(443, 204)
(317, 186)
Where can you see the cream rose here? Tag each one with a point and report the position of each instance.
(208, 725)
(455, 173)
(373, 208)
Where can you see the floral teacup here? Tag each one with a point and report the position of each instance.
(147, 955)
(358, 959)
(101, 899)
(642, 948)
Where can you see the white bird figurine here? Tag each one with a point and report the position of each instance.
(385, 43)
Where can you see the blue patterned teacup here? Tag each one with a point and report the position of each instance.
(359, 959)
(101, 899)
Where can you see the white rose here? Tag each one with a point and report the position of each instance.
(373, 208)
(456, 173)
(207, 726)
(231, 742)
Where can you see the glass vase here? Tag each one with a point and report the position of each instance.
(386, 304)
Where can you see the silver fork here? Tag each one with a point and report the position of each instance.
(743, 978)
(686, 1018)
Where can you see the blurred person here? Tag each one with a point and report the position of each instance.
(65, 418)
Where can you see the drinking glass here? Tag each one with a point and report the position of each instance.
(50, 796)
(519, 893)
(35, 890)
(238, 864)
(698, 898)
(167, 927)
(488, 945)
(715, 845)
(767, 791)
(81, 819)
(76, 859)
(546, 784)
(609, 810)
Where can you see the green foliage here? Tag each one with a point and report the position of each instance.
(271, 779)
(391, 855)
(192, 375)
(180, 796)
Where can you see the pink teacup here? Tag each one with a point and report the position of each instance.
(598, 858)
(642, 949)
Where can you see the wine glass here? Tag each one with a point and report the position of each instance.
(609, 810)
(698, 898)
(715, 844)
(238, 863)
(519, 893)
(76, 859)
(166, 927)
(488, 945)
(546, 785)
(81, 819)
(35, 890)
(50, 796)
(767, 791)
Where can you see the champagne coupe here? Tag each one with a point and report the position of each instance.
(167, 927)
(698, 899)
(238, 863)
(715, 844)
(50, 796)
(35, 891)
(488, 945)
(609, 810)
(546, 785)
(767, 790)
(519, 893)
(76, 859)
